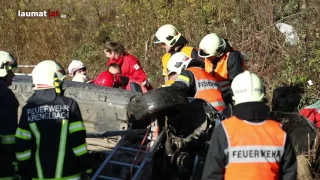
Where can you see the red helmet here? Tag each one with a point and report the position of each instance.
(105, 78)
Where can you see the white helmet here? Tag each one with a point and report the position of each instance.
(211, 45)
(178, 62)
(80, 78)
(167, 34)
(74, 66)
(7, 62)
(48, 74)
(247, 87)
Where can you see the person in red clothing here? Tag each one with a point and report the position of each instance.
(130, 65)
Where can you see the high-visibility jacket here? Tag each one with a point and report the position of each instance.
(221, 71)
(206, 87)
(189, 51)
(8, 125)
(168, 83)
(50, 138)
(254, 150)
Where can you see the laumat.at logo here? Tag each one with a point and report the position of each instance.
(45, 14)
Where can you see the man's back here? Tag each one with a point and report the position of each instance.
(9, 121)
(51, 129)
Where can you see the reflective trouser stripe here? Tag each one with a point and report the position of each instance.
(62, 149)
(80, 150)
(7, 139)
(23, 134)
(36, 133)
(76, 126)
(6, 178)
(25, 155)
(74, 177)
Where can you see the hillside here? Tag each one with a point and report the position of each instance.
(248, 24)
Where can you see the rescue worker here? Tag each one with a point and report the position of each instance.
(78, 71)
(249, 145)
(9, 117)
(114, 68)
(172, 41)
(105, 78)
(222, 61)
(50, 139)
(130, 65)
(197, 82)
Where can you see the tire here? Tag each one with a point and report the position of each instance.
(169, 101)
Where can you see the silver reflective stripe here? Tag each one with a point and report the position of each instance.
(36, 133)
(206, 84)
(215, 104)
(62, 148)
(23, 134)
(255, 154)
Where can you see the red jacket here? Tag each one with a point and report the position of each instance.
(130, 67)
(312, 112)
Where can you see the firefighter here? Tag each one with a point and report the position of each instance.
(222, 61)
(197, 82)
(9, 116)
(130, 65)
(78, 71)
(50, 139)
(249, 145)
(172, 41)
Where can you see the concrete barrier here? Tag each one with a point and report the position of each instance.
(102, 108)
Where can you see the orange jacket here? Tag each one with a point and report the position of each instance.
(206, 87)
(221, 71)
(255, 150)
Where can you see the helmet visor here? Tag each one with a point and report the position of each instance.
(157, 40)
(203, 54)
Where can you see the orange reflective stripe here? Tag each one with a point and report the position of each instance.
(253, 148)
(207, 88)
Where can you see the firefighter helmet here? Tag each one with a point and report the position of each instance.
(48, 74)
(211, 45)
(74, 66)
(7, 63)
(178, 62)
(168, 35)
(247, 87)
